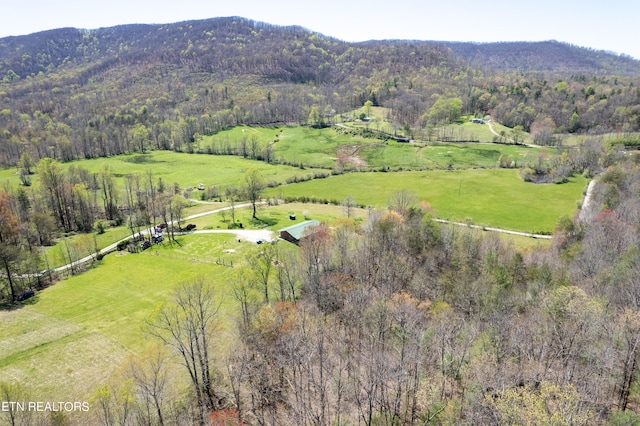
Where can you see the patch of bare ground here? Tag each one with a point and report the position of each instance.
(347, 154)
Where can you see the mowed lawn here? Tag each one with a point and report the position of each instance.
(74, 335)
(488, 197)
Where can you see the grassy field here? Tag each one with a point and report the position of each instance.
(293, 144)
(321, 147)
(447, 155)
(275, 217)
(184, 169)
(296, 145)
(496, 198)
(466, 130)
(68, 340)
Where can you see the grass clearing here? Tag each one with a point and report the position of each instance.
(67, 369)
(77, 332)
(278, 216)
(448, 155)
(293, 144)
(187, 170)
(321, 147)
(497, 198)
(525, 243)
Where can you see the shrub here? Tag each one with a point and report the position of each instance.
(527, 174)
(100, 226)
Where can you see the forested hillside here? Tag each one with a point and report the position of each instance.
(81, 94)
(549, 55)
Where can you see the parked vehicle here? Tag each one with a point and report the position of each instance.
(25, 295)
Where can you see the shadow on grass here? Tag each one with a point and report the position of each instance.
(141, 159)
(263, 223)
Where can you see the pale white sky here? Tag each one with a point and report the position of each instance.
(608, 25)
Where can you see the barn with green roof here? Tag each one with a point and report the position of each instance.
(295, 233)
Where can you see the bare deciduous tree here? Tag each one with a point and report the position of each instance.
(187, 326)
(150, 378)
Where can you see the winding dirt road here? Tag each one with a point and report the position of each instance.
(245, 234)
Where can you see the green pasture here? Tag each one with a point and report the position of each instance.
(321, 148)
(480, 132)
(496, 197)
(274, 217)
(574, 139)
(72, 336)
(525, 243)
(293, 144)
(447, 155)
(188, 170)
(463, 131)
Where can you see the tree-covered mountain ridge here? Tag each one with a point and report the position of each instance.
(71, 93)
(45, 51)
(550, 55)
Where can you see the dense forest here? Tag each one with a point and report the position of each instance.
(70, 93)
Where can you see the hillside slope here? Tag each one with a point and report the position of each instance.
(72, 93)
(548, 55)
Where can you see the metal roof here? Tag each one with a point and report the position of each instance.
(297, 230)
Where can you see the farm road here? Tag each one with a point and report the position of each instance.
(245, 234)
(495, 133)
(504, 231)
(265, 235)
